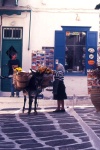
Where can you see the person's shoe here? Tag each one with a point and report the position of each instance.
(17, 95)
(62, 110)
(56, 111)
(11, 95)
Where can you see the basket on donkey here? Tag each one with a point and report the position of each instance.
(47, 79)
(21, 80)
(47, 75)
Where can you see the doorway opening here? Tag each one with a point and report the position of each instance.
(11, 36)
(75, 52)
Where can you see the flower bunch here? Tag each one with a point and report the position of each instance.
(18, 69)
(44, 69)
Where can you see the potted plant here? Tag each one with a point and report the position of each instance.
(95, 91)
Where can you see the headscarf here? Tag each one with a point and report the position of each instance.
(60, 67)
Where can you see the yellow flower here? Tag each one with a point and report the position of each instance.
(44, 69)
(18, 69)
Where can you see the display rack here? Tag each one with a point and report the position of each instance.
(44, 57)
(38, 58)
(49, 56)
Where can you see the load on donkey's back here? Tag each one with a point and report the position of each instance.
(21, 78)
(32, 83)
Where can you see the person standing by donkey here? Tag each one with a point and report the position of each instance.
(13, 63)
(59, 92)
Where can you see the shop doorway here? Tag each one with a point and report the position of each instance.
(75, 52)
(11, 36)
(81, 44)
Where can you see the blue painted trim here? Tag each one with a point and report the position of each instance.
(76, 28)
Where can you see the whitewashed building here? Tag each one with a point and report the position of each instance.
(31, 25)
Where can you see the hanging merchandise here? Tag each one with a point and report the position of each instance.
(38, 58)
(44, 57)
(49, 57)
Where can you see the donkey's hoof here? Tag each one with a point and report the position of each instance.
(28, 113)
(35, 113)
(23, 110)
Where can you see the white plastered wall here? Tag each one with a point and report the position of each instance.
(44, 25)
(21, 21)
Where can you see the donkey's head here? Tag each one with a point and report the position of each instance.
(39, 80)
(35, 83)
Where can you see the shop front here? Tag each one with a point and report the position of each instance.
(76, 49)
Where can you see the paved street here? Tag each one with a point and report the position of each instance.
(76, 129)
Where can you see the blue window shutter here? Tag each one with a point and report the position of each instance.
(59, 48)
(91, 43)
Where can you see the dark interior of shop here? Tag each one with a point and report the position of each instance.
(75, 52)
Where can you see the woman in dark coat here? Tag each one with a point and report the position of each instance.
(59, 93)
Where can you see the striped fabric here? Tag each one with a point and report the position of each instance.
(59, 75)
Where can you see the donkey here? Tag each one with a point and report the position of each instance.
(33, 89)
(37, 80)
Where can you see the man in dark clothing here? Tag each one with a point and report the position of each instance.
(12, 64)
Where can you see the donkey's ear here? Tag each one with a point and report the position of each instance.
(32, 71)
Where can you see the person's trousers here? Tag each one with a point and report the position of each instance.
(12, 88)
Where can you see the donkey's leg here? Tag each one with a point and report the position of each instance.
(30, 103)
(35, 105)
(24, 103)
(24, 94)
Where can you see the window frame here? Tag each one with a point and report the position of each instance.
(12, 34)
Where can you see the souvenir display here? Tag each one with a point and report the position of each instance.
(44, 57)
(49, 57)
(91, 56)
(38, 58)
(91, 50)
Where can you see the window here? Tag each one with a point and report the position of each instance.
(12, 33)
(9, 2)
(7, 33)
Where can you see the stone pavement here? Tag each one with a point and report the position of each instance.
(76, 129)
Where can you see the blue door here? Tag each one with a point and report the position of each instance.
(59, 49)
(11, 37)
(91, 50)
